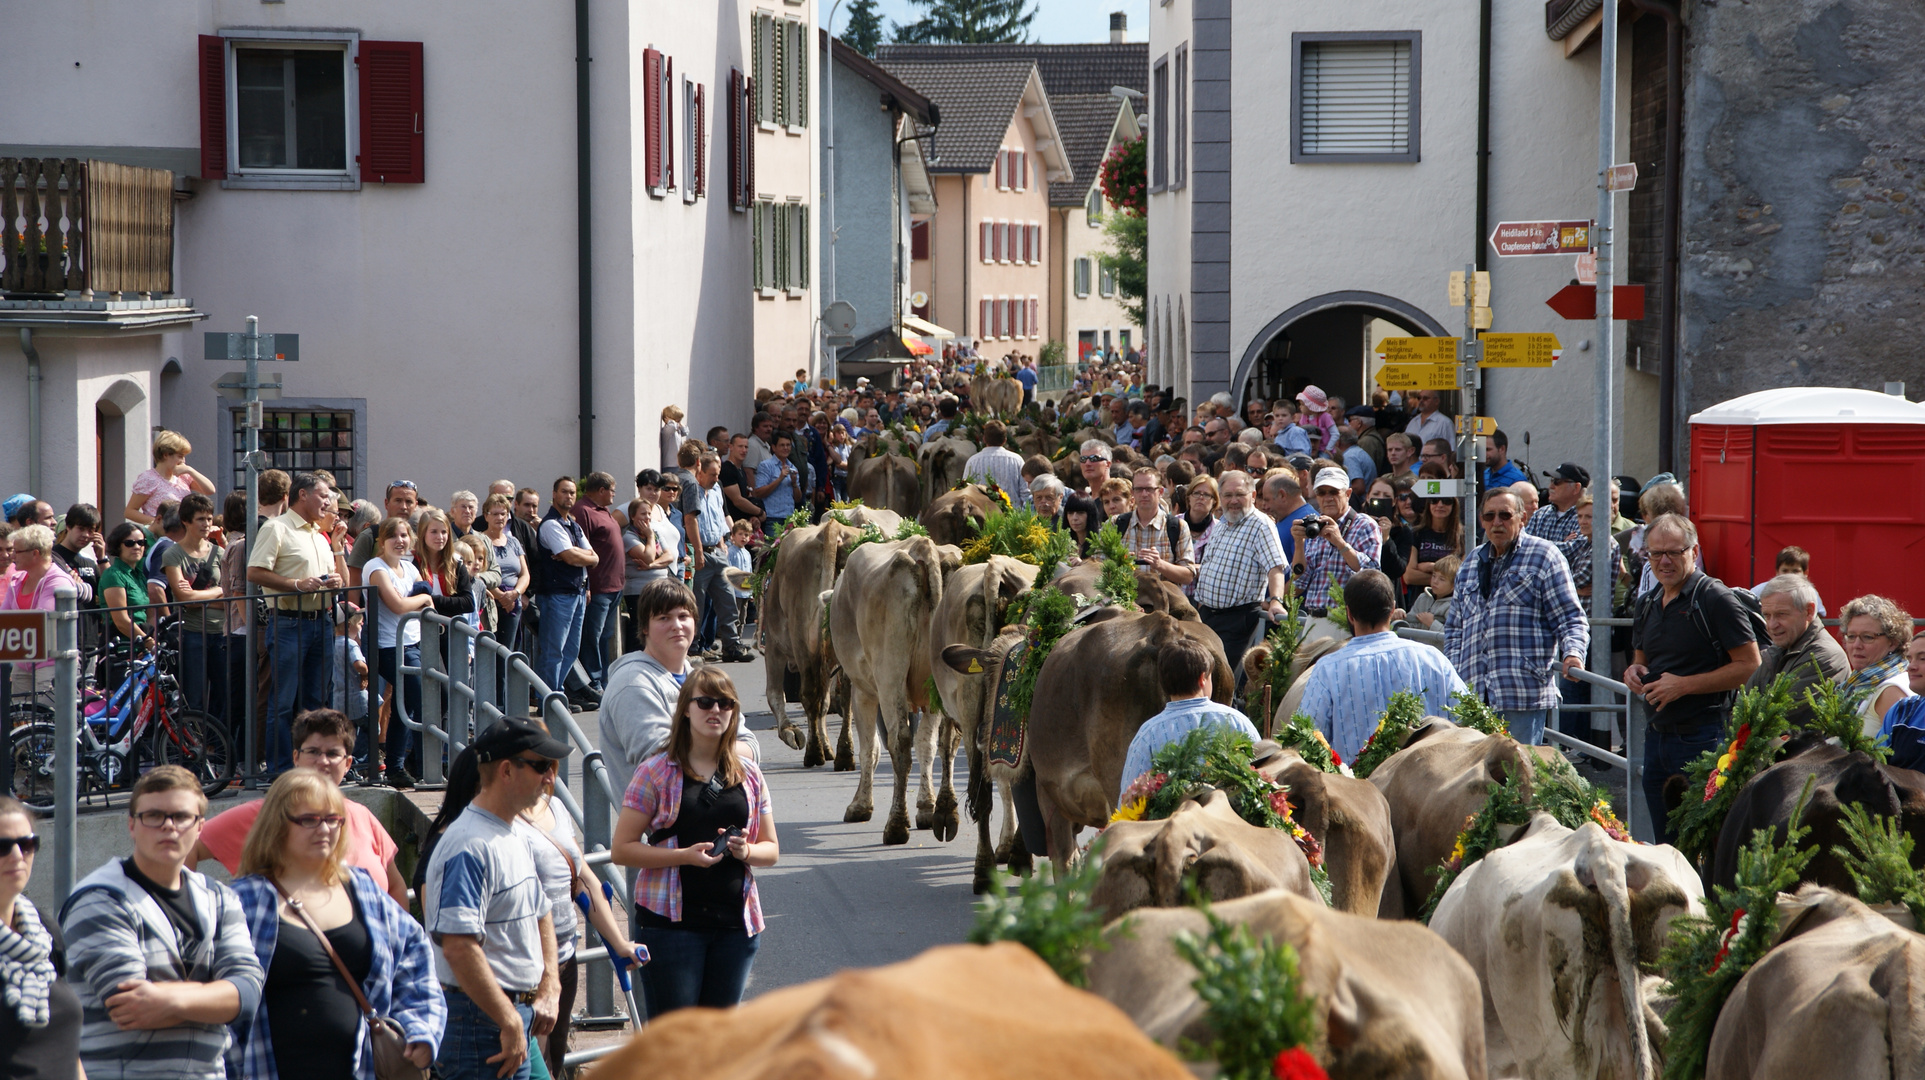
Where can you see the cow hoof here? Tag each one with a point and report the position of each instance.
(857, 813)
(985, 873)
(897, 831)
(813, 755)
(793, 737)
(845, 761)
(980, 885)
(947, 826)
(1003, 851)
(1019, 861)
(925, 820)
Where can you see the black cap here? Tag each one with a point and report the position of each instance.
(1362, 410)
(514, 734)
(1570, 470)
(1300, 461)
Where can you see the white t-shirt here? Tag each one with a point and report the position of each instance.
(385, 621)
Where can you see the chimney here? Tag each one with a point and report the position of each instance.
(1119, 27)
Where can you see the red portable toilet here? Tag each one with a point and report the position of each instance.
(1838, 472)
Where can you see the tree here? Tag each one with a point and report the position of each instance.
(1124, 177)
(969, 22)
(863, 32)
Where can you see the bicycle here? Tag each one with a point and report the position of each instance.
(144, 723)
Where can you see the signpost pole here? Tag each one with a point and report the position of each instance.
(252, 425)
(1469, 377)
(66, 737)
(1601, 591)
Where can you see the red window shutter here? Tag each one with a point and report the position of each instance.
(393, 146)
(213, 107)
(919, 241)
(652, 118)
(698, 169)
(1035, 323)
(982, 240)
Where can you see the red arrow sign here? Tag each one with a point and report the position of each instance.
(1579, 302)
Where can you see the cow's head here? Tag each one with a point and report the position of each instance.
(1153, 863)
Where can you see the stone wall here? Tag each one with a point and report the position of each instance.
(1804, 165)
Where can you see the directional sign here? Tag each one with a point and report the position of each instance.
(1417, 376)
(234, 346)
(1484, 425)
(1483, 288)
(1621, 177)
(1579, 302)
(1481, 318)
(1541, 237)
(25, 635)
(1438, 489)
(1418, 350)
(1520, 350)
(1587, 268)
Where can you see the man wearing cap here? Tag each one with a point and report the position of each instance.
(490, 921)
(1342, 543)
(1362, 419)
(1429, 423)
(1242, 573)
(1558, 520)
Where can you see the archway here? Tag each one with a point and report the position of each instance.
(1324, 340)
(111, 434)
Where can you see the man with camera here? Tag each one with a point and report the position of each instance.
(297, 558)
(1332, 544)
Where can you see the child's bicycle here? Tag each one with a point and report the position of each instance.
(144, 723)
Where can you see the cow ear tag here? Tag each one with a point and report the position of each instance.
(975, 666)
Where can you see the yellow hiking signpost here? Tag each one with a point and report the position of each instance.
(1418, 350)
(1419, 376)
(1520, 350)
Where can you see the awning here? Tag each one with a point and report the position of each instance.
(925, 328)
(916, 345)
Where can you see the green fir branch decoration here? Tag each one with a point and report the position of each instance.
(1753, 742)
(1467, 710)
(1836, 716)
(1704, 958)
(1253, 995)
(1301, 734)
(1046, 618)
(1880, 861)
(1558, 790)
(1020, 534)
(1403, 715)
(1049, 914)
(765, 551)
(1117, 579)
(1283, 641)
(1339, 610)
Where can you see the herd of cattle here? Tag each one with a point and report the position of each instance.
(1536, 963)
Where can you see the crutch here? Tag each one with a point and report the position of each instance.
(635, 1015)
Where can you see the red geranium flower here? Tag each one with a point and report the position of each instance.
(1297, 1064)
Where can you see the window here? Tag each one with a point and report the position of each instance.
(919, 241)
(781, 246)
(291, 108)
(1356, 97)
(1093, 207)
(299, 440)
(780, 50)
(982, 317)
(1159, 109)
(1180, 120)
(1082, 276)
(984, 229)
(1022, 171)
(1106, 285)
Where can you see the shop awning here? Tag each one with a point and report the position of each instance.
(925, 328)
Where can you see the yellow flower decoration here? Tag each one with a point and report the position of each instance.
(1131, 811)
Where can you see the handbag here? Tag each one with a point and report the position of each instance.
(384, 1032)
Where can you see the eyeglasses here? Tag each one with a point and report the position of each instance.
(1498, 515)
(316, 821)
(1863, 639)
(181, 820)
(330, 755)
(703, 701)
(1668, 554)
(27, 844)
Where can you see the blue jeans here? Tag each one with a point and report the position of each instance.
(471, 1038)
(603, 615)
(203, 672)
(561, 636)
(713, 593)
(399, 747)
(695, 967)
(1527, 725)
(1665, 756)
(301, 650)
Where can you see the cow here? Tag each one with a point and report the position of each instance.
(1842, 778)
(807, 561)
(886, 481)
(861, 516)
(1842, 993)
(1348, 816)
(1315, 646)
(989, 1013)
(1556, 924)
(975, 603)
(1153, 593)
(1391, 998)
(955, 517)
(879, 622)
(1152, 863)
(1439, 778)
(941, 460)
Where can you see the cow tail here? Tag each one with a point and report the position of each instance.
(1608, 872)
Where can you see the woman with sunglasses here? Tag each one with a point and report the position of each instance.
(697, 817)
(1440, 534)
(40, 1020)
(309, 915)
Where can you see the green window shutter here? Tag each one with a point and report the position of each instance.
(801, 280)
(800, 108)
(755, 242)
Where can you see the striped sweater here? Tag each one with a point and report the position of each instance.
(115, 931)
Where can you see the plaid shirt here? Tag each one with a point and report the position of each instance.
(401, 981)
(1504, 645)
(1324, 568)
(1577, 555)
(1166, 532)
(656, 792)
(1550, 523)
(1236, 568)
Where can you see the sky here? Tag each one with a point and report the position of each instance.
(1058, 22)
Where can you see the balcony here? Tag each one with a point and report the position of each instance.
(88, 247)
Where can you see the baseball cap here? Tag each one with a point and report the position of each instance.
(512, 735)
(1300, 461)
(1332, 478)
(1570, 470)
(1369, 412)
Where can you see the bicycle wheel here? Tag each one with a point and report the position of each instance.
(32, 748)
(196, 742)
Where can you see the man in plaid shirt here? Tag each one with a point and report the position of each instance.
(1344, 543)
(1556, 520)
(1515, 612)
(1242, 572)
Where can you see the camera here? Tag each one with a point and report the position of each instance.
(1313, 525)
(1382, 508)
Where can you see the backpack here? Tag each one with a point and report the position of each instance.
(1747, 602)
(1170, 525)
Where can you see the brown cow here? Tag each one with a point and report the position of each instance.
(1348, 816)
(955, 517)
(879, 621)
(1438, 779)
(942, 460)
(998, 396)
(1153, 593)
(1150, 863)
(995, 1013)
(1842, 994)
(806, 564)
(886, 481)
(1392, 999)
(1842, 778)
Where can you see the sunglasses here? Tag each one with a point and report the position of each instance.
(316, 821)
(703, 701)
(133, 543)
(1498, 515)
(409, 484)
(27, 844)
(536, 765)
(1094, 457)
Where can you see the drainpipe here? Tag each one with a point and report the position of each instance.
(829, 180)
(1483, 133)
(1673, 195)
(33, 410)
(584, 261)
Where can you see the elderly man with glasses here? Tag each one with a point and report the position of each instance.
(1515, 614)
(1799, 644)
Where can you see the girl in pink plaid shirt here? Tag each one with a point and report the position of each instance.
(697, 818)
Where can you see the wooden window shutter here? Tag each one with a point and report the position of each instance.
(1035, 322)
(748, 148)
(797, 69)
(982, 240)
(698, 167)
(982, 318)
(760, 51)
(652, 119)
(802, 245)
(393, 145)
(668, 122)
(737, 174)
(213, 107)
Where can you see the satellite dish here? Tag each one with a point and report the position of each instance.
(839, 317)
(918, 299)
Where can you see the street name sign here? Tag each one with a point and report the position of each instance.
(1541, 237)
(1520, 350)
(1417, 376)
(1418, 350)
(1622, 177)
(25, 636)
(1579, 302)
